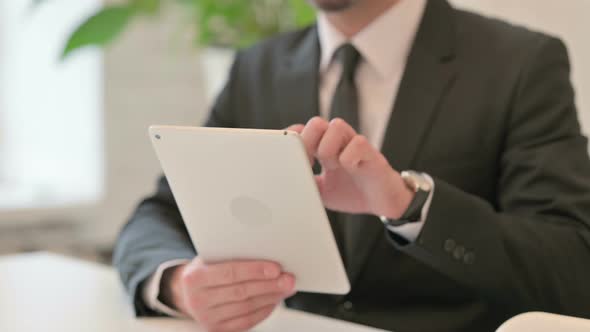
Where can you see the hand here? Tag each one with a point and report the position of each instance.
(230, 296)
(356, 177)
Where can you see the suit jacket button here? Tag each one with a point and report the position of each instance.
(347, 306)
(459, 252)
(469, 258)
(450, 245)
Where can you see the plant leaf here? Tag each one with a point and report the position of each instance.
(100, 29)
(303, 12)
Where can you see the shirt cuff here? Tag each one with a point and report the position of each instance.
(410, 231)
(151, 290)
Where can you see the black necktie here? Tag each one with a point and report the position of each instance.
(345, 100)
(345, 106)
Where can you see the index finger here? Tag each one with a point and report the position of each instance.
(312, 134)
(227, 273)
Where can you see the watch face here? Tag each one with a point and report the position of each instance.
(416, 181)
(411, 180)
(425, 185)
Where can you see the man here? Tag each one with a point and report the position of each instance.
(493, 221)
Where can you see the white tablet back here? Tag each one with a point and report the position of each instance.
(250, 194)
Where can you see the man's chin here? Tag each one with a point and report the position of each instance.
(333, 5)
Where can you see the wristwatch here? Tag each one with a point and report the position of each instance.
(419, 183)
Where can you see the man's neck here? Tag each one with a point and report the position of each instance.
(351, 21)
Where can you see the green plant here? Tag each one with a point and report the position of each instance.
(228, 23)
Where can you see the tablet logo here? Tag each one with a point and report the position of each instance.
(250, 211)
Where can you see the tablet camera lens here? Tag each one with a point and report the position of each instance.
(158, 137)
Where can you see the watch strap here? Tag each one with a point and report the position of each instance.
(414, 211)
(422, 188)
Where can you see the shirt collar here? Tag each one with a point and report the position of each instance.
(384, 44)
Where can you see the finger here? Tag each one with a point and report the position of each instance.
(312, 134)
(246, 322)
(298, 128)
(238, 309)
(334, 141)
(358, 151)
(200, 276)
(247, 290)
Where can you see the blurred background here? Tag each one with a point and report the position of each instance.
(75, 158)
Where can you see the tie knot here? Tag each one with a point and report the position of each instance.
(349, 58)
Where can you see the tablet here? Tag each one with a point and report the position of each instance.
(251, 194)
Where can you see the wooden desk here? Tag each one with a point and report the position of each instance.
(50, 293)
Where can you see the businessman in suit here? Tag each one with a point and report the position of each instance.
(453, 168)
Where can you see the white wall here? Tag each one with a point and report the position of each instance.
(151, 76)
(567, 19)
(43, 122)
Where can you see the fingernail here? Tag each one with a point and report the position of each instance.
(285, 283)
(271, 272)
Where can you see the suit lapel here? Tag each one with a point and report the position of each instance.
(428, 74)
(298, 81)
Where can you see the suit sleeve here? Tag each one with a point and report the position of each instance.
(531, 250)
(156, 232)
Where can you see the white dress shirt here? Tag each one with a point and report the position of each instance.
(384, 45)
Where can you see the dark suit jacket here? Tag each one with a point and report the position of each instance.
(484, 107)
